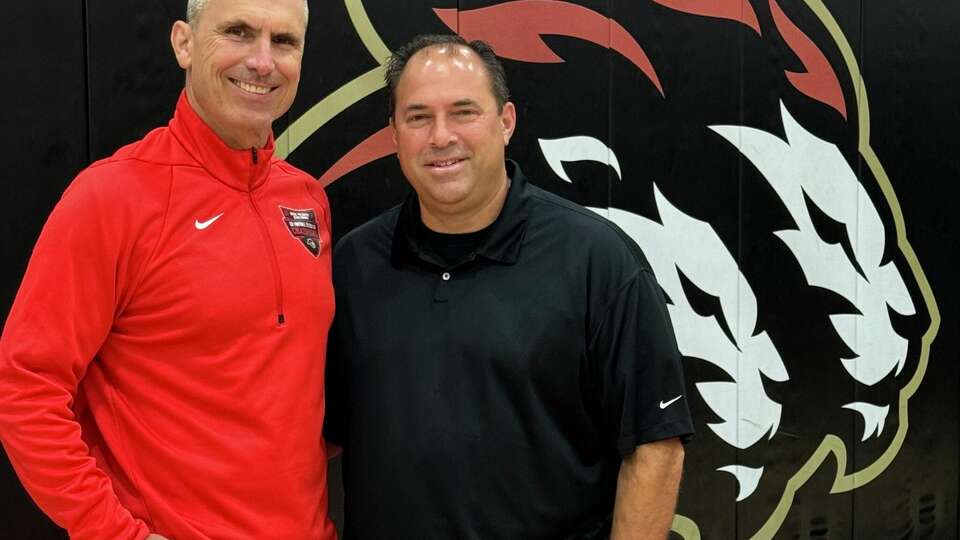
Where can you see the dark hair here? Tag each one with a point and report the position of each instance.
(399, 58)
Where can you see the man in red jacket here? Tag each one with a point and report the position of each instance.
(161, 370)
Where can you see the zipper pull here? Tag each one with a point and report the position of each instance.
(254, 152)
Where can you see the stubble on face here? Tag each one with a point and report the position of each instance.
(450, 136)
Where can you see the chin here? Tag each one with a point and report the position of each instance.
(449, 197)
(253, 119)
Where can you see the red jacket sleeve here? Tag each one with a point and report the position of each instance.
(76, 279)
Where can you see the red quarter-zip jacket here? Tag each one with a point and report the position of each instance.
(162, 367)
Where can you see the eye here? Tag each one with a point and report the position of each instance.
(284, 40)
(465, 115)
(237, 31)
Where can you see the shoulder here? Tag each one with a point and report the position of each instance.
(284, 171)
(283, 168)
(158, 148)
(364, 253)
(584, 229)
(376, 233)
(114, 204)
(133, 176)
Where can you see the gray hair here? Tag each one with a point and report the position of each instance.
(194, 7)
(399, 58)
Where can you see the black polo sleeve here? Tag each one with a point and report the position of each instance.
(336, 382)
(335, 392)
(639, 371)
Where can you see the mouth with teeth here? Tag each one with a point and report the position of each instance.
(445, 164)
(251, 88)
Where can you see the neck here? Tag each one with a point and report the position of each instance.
(459, 220)
(244, 140)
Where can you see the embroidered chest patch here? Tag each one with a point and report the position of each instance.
(302, 225)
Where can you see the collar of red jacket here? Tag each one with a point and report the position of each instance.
(245, 170)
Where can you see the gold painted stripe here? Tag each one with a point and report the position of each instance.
(347, 95)
(685, 527)
(340, 100)
(368, 34)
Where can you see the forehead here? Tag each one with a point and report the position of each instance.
(444, 71)
(278, 15)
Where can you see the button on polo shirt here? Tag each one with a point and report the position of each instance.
(450, 249)
(494, 397)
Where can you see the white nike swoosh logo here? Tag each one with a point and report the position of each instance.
(201, 225)
(665, 404)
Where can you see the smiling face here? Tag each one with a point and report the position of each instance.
(450, 138)
(242, 59)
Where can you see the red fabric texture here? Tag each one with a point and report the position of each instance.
(162, 367)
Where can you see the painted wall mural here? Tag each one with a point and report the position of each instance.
(788, 167)
(847, 282)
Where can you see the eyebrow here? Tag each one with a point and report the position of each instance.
(240, 23)
(236, 23)
(458, 103)
(415, 107)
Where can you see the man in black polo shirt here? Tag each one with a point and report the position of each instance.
(502, 364)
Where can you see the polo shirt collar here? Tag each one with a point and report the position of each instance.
(506, 233)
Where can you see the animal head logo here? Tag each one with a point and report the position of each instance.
(731, 140)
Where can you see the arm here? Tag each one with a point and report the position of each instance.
(335, 376)
(642, 398)
(647, 491)
(61, 316)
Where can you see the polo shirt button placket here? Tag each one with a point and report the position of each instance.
(440, 293)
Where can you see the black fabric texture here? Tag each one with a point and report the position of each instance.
(451, 248)
(495, 397)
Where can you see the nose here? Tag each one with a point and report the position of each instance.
(260, 58)
(441, 136)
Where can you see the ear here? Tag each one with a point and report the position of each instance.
(508, 120)
(181, 39)
(394, 126)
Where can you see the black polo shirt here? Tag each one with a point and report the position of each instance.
(494, 397)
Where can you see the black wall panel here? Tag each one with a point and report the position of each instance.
(912, 83)
(44, 127)
(134, 79)
(44, 124)
(653, 113)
